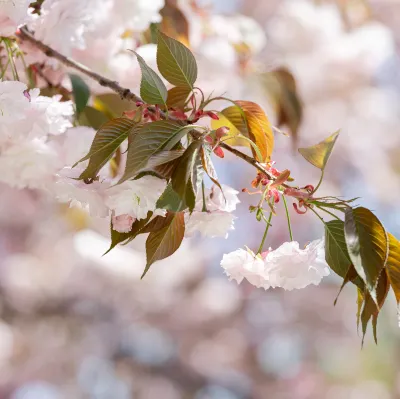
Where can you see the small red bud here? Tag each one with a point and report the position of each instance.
(209, 139)
(309, 188)
(198, 113)
(219, 152)
(212, 115)
(264, 182)
(221, 132)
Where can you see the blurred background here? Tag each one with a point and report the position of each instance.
(74, 324)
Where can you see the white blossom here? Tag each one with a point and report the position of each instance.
(76, 145)
(13, 13)
(244, 264)
(63, 24)
(291, 268)
(136, 197)
(29, 164)
(223, 201)
(137, 14)
(13, 104)
(55, 114)
(209, 224)
(122, 223)
(90, 197)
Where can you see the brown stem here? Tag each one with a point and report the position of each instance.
(126, 94)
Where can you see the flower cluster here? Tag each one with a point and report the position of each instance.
(288, 266)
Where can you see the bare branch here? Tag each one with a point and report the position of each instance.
(126, 94)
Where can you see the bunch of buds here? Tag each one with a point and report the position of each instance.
(143, 113)
(267, 186)
(214, 140)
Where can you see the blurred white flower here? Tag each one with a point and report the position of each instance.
(54, 113)
(13, 104)
(76, 145)
(29, 164)
(90, 197)
(223, 201)
(244, 263)
(291, 268)
(238, 30)
(63, 24)
(125, 67)
(209, 224)
(13, 13)
(136, 197)
(122, 223)
(137, 14)
(251, 33)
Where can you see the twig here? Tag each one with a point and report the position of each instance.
(125, 93)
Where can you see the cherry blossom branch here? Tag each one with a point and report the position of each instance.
(125, 93)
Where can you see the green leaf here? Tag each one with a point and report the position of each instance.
(164, 157)
(188, 175)
(367, 244)
(336, 254)
(175, 62)
(177, 96)
(170, 200)
(208, 165)
(393, 265)
(80, 91)
(151, 139)
(152, 88)
(164, 242)
(108, 138)
(137, 227)
(319, 154)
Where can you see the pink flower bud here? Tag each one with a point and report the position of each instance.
(221, 132)
(122, 223)
(219, 152)
(139, 103)
(212, 115)
(209, 140)
(309, 188)
(198, 113)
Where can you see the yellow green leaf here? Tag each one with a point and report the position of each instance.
(367, 245)
(319, 154)
(393, 265)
